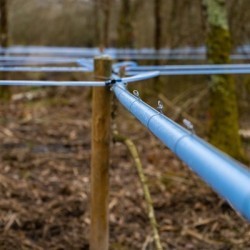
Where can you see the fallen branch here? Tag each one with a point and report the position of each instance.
(177, 110)
(199, 236)
(30, 95)
(134, 153)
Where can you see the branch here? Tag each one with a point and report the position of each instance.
(134, 153)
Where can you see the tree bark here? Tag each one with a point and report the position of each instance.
(158, 85)
(4, 90)
(125, 27)
(158, 24)
(224, 128)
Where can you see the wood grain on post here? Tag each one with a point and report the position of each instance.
(100, 142)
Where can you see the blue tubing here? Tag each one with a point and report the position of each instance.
(227, 177)
(188, 67)
(195, 72)
(44, 69)
(52, 83)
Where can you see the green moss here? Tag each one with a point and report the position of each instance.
(247, 86)
(224, 116)
(218, 45)
(223, 104)
(5, 93)
(216, 13)
(118, 246)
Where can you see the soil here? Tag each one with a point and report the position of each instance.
(44, 183)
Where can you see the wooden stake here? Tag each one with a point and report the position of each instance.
(101, 109)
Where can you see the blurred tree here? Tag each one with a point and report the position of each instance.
(157, 39)
(106, 20)
(102, 22)
(4, 90)
(224, 129)
(125, 27)
(96, 17)
(158, 24)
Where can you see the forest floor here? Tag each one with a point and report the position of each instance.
(44, 183)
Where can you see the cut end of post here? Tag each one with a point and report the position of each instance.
(103, 57)
(103, 67)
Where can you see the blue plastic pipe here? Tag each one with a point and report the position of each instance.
(192, 69)
(186, 53)
(38, 59)
(52, 83)
(195, 72)
(44, 69)
(140, 77)
(227, 177)
(187, 67)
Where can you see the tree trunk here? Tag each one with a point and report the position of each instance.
(157, 41)
(125, 27)
(223, 105)
(158, 24)
(101, 17)
(96, 18)
(4, 90)
(105, 23)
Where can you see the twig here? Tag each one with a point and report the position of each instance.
(177, 110)
(198, 236)
(134, 153)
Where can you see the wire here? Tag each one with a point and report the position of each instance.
(44, 69)
(139, 77)
(195, 72)
(38, 59)
(191, 67)
(52, 83)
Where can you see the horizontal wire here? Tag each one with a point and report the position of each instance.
(187, 67)
(195, 72)
(139, 77)
(187, 53)
(52, 83)
(38, 59)
(44, 69)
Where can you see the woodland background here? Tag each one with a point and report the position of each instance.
(45, 132)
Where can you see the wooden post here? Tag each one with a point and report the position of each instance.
(101, 110)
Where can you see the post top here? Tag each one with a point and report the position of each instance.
(103, 57)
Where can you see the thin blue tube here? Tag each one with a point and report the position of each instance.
(37, 59)
(195, 72)
(116, 66)
(139, 77)
(187, 53)
(52, 83)
(44, 69)
(227, 177)
(86, 63)
(189, 67)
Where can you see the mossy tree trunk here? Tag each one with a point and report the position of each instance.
(4, 90)
(125, 27)
(223, 105)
